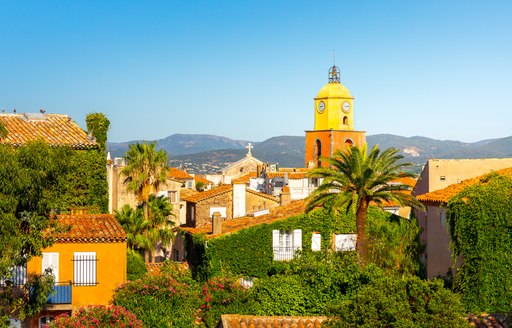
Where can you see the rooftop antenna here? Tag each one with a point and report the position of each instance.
(14, 110)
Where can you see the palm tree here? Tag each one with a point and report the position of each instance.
(135, 226)
(146, 169)
(161, 225)
(356, 179)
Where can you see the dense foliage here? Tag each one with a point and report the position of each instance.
(319, 284)
(174, 299)
(480, 226)
(393, 244)
(98, 316)
(355, 179)
(135, 265)
(38, 180)
(98, 125)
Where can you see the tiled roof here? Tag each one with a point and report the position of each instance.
(291, 175)
(230, 226)
(261, 194)
(200, 196)
(203, 180)
(178, 174)
(154, 268)
(245, 179)
(251, 321)
(442, 196)
(90, 228)
(186, 192)
(55, 129)
(408, 181)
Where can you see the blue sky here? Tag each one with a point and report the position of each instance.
(250, 69)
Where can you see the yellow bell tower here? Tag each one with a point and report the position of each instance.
(333, 105)
(334, 122)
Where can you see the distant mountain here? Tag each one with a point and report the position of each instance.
(208, 154)
(182, 144)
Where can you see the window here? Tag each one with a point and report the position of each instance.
(51, 263)
(345, 242)
(84, 268)
(442, 178)
(316, 242)
(285, 243)
(44, 321)
(171, 194)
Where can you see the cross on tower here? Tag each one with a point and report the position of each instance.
(249, 147)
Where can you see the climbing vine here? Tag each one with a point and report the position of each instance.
(480, 226)
(98, 125)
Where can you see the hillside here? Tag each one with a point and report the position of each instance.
(208, 153)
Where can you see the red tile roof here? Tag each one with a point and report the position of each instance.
(90, 228)
(442, 196)
(230, 226)
(261, 194)
(251, 321)
(185, 192)
(203, 180)
(245, 179)
(200, 196)
(178, 174)
(55, 129)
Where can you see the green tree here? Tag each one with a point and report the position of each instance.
(146, 169)
(98, 125)
(135, 226)
(161, 225)
(3, 131)
(356, 179)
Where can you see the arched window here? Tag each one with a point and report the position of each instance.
(345, 120)
(349, 143)
(317, 153)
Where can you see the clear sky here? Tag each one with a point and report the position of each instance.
(250, 69)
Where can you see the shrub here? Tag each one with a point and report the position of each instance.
(136, 267)
(98, 316)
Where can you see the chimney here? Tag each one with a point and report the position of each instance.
(216, 223)
(286, 196)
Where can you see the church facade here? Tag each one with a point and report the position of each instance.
(334, 122)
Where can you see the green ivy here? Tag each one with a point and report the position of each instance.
(480, 227)
(249, 252)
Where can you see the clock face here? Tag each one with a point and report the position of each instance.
(321, 107)
(346, 107)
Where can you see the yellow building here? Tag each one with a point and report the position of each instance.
(88, 262)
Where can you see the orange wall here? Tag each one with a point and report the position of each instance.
(336, 137)
(110, 270)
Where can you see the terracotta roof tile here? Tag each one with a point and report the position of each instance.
(200, 196)
(242, 321)
(55, 129)
(261, 194)
(230, 226)
(178, 174)
(442, 196)
(185, 192)
(90, 228)
(203, 180)
(154, 268)
(245, 179)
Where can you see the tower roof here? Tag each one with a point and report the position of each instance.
(334, 89)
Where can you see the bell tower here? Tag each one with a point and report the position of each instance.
(334, 121)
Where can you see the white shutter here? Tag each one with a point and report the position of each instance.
(51, 261)
(297, 239)
(345, 242)
(316, 242)
(275, 244)
(84, 268)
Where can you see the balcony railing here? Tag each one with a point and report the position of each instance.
(61, 293)
(285, 253)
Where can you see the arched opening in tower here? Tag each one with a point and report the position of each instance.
(318, 152)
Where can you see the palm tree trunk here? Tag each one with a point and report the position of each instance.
(361, 244)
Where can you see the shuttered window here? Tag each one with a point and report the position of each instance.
(285, 243)
(84, 268)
